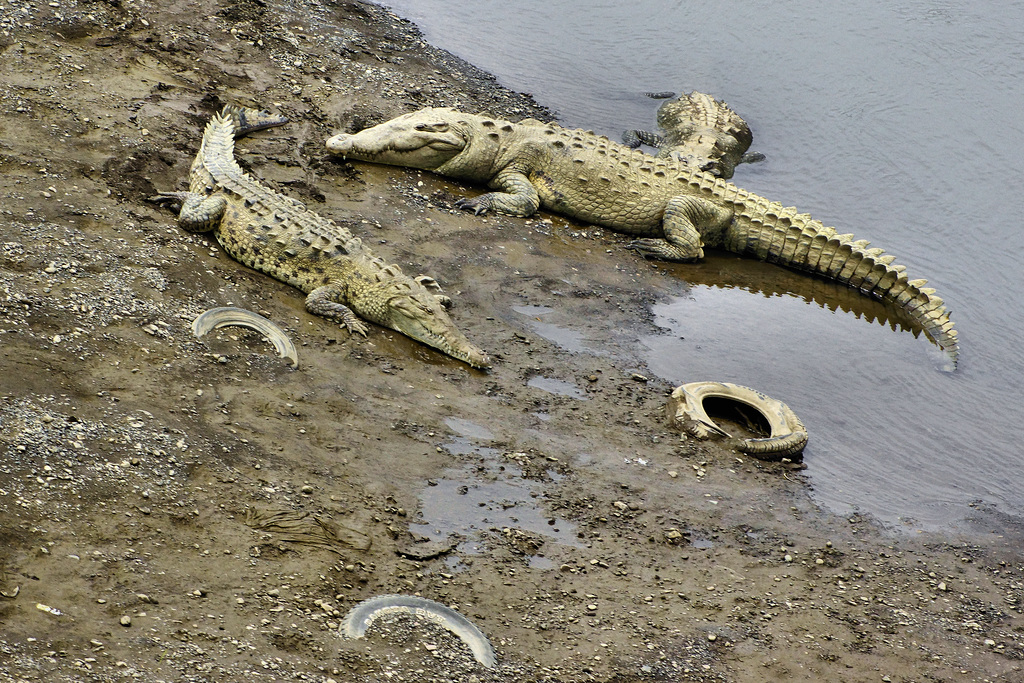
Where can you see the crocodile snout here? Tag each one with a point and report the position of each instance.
(340, 143)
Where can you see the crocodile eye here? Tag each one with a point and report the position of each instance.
(432, 127)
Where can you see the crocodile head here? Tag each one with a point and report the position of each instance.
(425, 139)
(421, 315)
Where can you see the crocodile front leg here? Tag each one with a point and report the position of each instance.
(199, 213)
(517, 196)
(681, 222)
(324, 301)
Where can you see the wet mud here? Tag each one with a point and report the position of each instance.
(185, 509)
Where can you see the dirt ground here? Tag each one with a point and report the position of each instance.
(160, 495)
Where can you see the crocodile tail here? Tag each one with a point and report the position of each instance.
(779, 234)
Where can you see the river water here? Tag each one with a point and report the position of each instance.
(899, 123)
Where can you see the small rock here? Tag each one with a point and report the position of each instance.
(126, 620)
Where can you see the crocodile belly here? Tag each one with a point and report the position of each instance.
(597, 200)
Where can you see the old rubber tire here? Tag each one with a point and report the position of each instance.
(788, 435)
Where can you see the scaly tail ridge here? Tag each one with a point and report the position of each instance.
(780, 235)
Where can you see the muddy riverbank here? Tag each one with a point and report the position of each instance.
(159, 495)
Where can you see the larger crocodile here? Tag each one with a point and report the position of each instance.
(701, 133)
(277, 235)
(674, 210)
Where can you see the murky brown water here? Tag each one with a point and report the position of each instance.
(899, 124)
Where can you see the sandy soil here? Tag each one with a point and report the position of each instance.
(159, 494)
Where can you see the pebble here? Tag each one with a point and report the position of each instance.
(126, 620)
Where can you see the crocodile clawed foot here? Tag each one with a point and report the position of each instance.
(662, 251)
(428, 282)
(355, 327)
(752, 158)
(476, 204)
(173, 198)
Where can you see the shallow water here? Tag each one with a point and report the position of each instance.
(901, 125)
(484, 493)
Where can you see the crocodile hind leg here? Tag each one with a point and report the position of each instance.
(198, 213)
(684, 222)
(324, 301)
(635, 138)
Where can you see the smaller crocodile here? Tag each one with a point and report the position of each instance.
(277, 235)
(700, 132)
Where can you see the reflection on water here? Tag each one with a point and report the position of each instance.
(465, 504)
(468, 429)
(568, 339)
(898, 123)
(484, 494)
(724, 270)
(557, 386)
